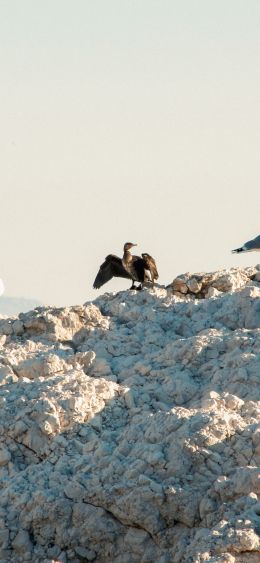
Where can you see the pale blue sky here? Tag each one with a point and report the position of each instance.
(126, 120)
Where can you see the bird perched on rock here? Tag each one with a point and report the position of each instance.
(249, 246)
(137, 268)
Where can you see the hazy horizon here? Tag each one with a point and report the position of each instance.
(126, 121)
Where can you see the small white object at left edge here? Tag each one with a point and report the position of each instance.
(2, 287)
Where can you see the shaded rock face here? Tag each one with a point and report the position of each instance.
(129, 428)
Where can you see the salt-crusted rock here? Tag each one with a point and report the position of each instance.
(59, 324)
(7, 375)
(129, 428)
(21, 543)
(212, 292)
(209, 284)
(4, 456)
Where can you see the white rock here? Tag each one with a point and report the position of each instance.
(7, 375)
(5, 456)
(132, 434)
(212, 292)
(22, 543)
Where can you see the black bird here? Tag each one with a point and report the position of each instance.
(132, 267)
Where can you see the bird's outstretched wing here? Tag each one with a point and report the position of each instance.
(112, 267)
(150, 265)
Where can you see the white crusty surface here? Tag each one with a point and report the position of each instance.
(129, 427)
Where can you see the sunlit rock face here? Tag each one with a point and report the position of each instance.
(202, 285)
(129, 427)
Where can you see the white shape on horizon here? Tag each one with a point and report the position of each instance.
(2, 287)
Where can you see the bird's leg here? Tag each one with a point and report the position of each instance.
(133, 285)
(139, 287)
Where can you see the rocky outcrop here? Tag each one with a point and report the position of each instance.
(204, 285)
(129, 427)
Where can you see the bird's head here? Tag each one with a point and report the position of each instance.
(129, 245)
